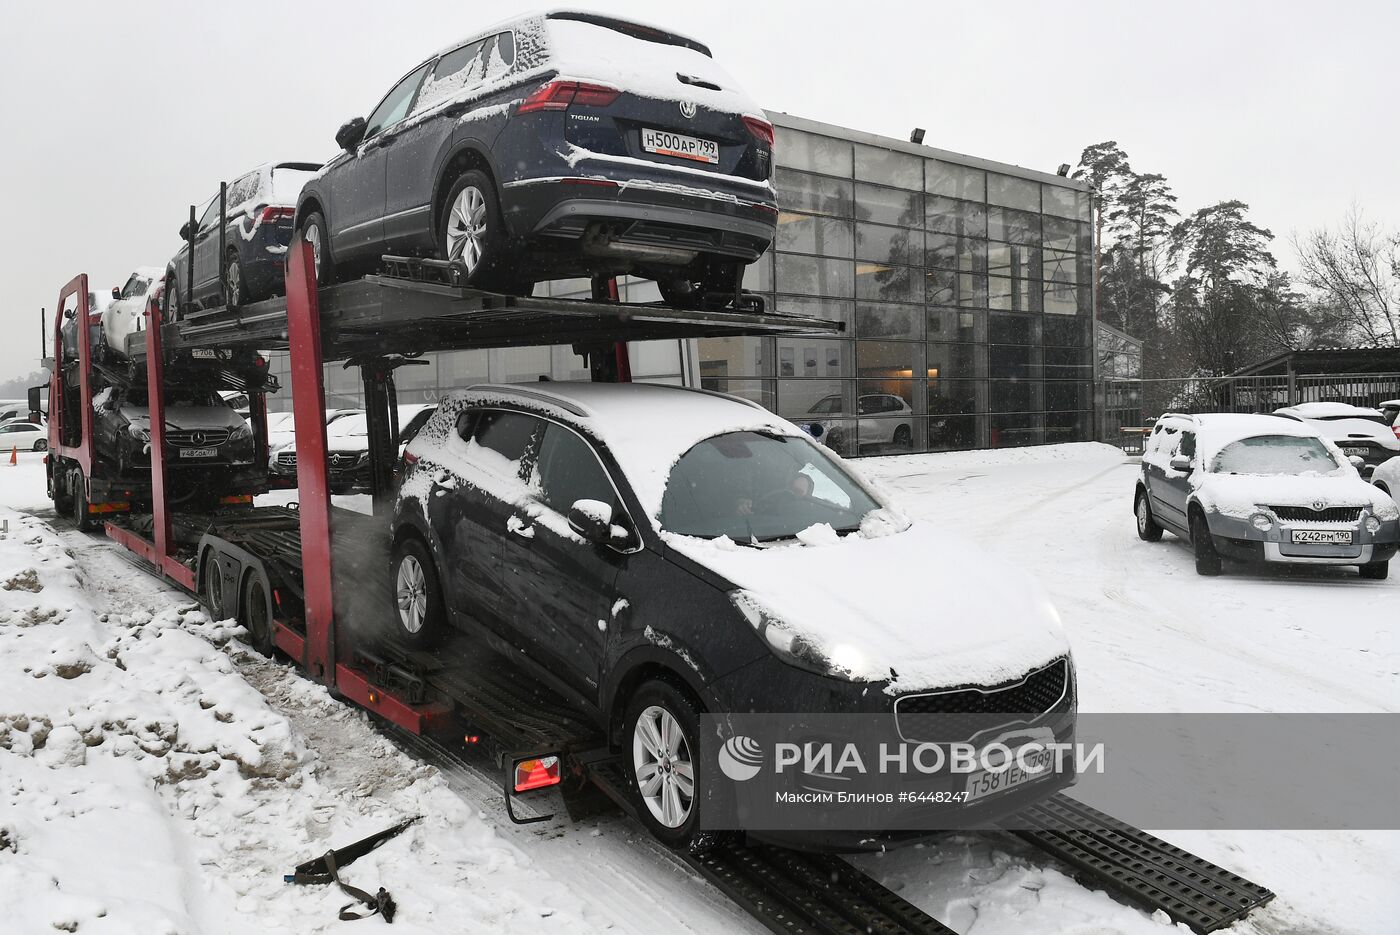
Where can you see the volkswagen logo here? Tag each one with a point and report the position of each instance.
(687, 109)
(197, 438)
(1319, 505)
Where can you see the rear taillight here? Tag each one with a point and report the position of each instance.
(760, 130)
(1396, 428)
(273, 213)
(409, 458)
(558, 95)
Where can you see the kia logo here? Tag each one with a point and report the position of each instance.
(687, 109)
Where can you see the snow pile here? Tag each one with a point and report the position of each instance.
(147, 787)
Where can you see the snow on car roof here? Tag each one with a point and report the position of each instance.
(1216, 430)
(646, 426)
(1329, 410)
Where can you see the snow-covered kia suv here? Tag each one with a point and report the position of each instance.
(656, 552)
(1256, 488)
(1357, 430)
(556, 145)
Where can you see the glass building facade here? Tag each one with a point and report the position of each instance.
(965, 287)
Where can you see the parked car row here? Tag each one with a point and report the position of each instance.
(1266, 489)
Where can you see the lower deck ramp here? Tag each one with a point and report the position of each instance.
(1140, 867)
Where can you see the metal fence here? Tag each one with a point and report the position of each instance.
(1129, 406)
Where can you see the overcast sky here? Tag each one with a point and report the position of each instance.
(116, 116)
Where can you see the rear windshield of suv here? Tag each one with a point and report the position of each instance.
(1275, 454)
(752, 486)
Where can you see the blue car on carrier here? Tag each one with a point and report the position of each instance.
(259, 210)
(557, 145)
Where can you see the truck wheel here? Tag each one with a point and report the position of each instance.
(211, 588)
(78, 500)
(58, 491)
(418, 605)
(1376, 571)
(660, 736)
(1207, 558)
(1147, 528)
(315, 232)
(473, 232)
(254, 613)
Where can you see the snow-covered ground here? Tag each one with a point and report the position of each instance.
(155, 776)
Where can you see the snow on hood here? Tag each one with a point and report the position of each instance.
(922, 604)
(1242, 494)
(186, 417)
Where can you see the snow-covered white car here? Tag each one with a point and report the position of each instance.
(1390, 408)
(1387, 478)
(1257, 488)
(125, 315)
(1357, 430)
(347, 447)
(657, 552)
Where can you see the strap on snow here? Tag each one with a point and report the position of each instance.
(326, 869)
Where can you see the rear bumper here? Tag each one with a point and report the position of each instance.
(649, 212)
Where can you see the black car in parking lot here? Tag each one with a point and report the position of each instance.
(653, 553)
(557, 145)
(259, 213)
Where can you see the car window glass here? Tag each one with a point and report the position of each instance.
(243, 190)
(503, 441)
(395, 105)
(1188, 444)
(567, 470)
(458, 69)
(210, 216)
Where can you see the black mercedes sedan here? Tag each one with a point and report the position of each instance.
(559, 145)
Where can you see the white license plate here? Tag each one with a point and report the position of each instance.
(1358, 452)
(198, 452)
(988, 782)
(665, 143)
(204, 353)
(1323, 536)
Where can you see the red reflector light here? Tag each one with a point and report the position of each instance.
(760, 129)
(1396, 429)
(410, 458)
(471, 739)
(536, 773)
(273, 213)
(558, 95)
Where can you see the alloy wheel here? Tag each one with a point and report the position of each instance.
(233, 283)
(466, 228)
(1142, 514)
(312, 235)
(412, 591)
(664, 770)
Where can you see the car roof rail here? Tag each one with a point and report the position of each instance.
(554, 399)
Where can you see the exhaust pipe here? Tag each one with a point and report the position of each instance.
(598, 241)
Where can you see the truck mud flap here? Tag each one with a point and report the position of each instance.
(1141, 868)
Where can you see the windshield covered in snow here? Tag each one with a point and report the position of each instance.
(755, 486)
(1275, 454)
(357, 424)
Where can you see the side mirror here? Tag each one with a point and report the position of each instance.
(350, 134)
(68, 314)
(814, 429)
(34, 400)
(591, 519)
(185, 231)
(1180, 463)
(116, 292)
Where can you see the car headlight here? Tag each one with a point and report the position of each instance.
(1373, 525)
(1261, 521)
(792, 647)
(243, 431)
(139, 433)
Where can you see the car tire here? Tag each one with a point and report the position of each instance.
(1148, 529)
(211, 588)
(903, 436)
(235, 290)
(1376, 571)
(78, 502)
(417, 593)
(314, 230)
(657, 780)
(1207, 558)
(170, 301)
(41, 444)
(59, 492)
(472, 231)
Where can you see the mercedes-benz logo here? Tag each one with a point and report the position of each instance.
(687, 109)
(197, 438)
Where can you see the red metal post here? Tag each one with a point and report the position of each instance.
(313, 482)
(81, 452)
(155, 408)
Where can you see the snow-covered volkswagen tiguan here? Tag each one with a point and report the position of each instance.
(655, 552)
(1256, 488)
(556, 145)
